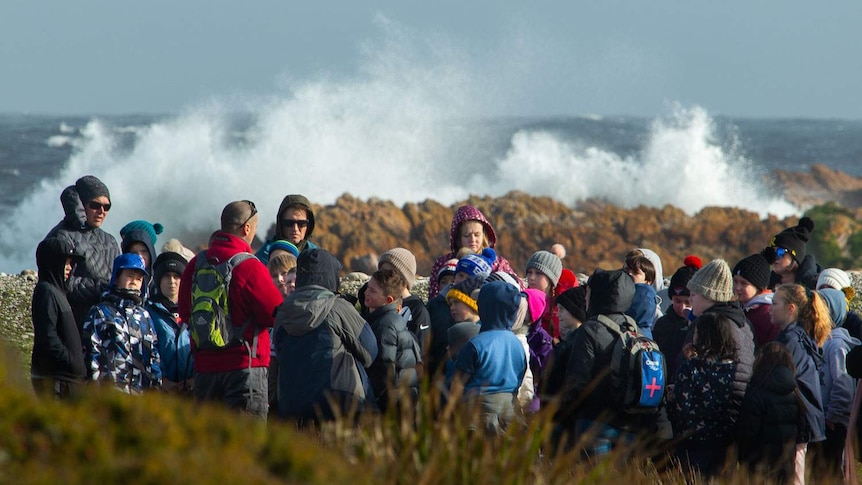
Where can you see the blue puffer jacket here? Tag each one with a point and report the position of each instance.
(808, 359)
(175, 348)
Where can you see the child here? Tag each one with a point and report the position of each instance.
(768, 421)
(492, 364)
(470, 229)
(670, 331)
(461, 299)
(805, 326)
(701, 407)
(57, 365)
(750, 284)
(837, 387)
(119, 334)
(644, 266)
(571, 310)
(412, 307)
(446, 275)
(398, 356)
(471, 265)
(543, 274)
(282, 270)
(838, 279)
(172, 334)
(787, 255)
(643, 308)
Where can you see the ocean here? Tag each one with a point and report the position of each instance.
(181, 169)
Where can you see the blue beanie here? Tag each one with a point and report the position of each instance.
(152, 230)
(284, 246)
(477, 264)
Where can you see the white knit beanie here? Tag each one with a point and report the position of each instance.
(714, 281)
(833, 278)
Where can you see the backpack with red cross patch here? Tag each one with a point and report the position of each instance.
(638, 368)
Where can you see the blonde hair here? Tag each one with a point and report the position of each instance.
(281, 263)
(812, 314)
(485, 242)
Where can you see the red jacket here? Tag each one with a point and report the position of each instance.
(251, 293)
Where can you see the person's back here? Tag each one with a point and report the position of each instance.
(323, 345)
(99, 249)
(57, 364)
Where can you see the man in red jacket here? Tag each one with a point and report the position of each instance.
(236, 375)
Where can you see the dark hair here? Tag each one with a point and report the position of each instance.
(391, 281)
(635, 260)
(714, 337)
(770, 356)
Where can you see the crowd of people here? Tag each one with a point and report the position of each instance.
(754, 356)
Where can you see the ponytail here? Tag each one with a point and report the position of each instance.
(812, 312)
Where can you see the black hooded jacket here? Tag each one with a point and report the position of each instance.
(806, 274)
(74, 210)
(57, 350)
(587, 388)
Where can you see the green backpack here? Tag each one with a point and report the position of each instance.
(211, 327)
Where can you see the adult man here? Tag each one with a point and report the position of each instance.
(236, 374)
(99, 249)
(294, 223)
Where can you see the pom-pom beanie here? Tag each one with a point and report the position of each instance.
(833, 278)
(795, 239)
(477, 264)
(152, 230)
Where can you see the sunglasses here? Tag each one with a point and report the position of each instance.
(780, 252)
(97, 205)
(253, 212)
(294, 222)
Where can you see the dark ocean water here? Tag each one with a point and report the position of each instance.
(181, 169)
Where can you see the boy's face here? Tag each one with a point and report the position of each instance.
(290, 283)
(743, 289)
(537, 280)
(461, 312)
(637, 275)
(567, 321)
(681, 303)
(375, 296)
(130, 279)
(471, 236)
(141, 250)
(169, 286)
(67, 269)
(445, 280)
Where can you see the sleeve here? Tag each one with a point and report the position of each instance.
(45, 317)
(263, 296)
(579, 372)
(750, 422)
(100, 335)
(155, 355)
(84, 289)
(387, 345)
(467, 360)
(838, 403)
(355, 333)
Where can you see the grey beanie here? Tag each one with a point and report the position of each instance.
(714, 281)
(404, 261)
(548, 263)
(89, 187)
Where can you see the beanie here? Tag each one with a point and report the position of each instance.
(567, 280)
(548, 264)
(461, 333)
(175, 246)
(574, 300)
(152, 230)
(477, 264)
(833, 278)
(795, 238)
(404, 261)
(90, 187)
(465, 290)
(536, 300)
(448, 269)
(283, 245)
(169, 262)
(755, 269)
(713, 281)
(504, 277)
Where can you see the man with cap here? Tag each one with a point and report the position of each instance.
(711, 290)
(98, 248)
(787, 255)
(294, 222)
(750, 284)
(236, 375)
(173, 334)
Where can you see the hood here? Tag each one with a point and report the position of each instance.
(51, 256)
(469, 213)
(305, 309)
(731, 310)
(76, 216)
(841, 333)
(316, 267)
(836, 301)
(610, 292)
(782, 381)
(141, 236)
(808, 270)
(299, 201)
(643, 305)
(498, 306)
(651, 255)
(764, 298)
(223, 246)
(536, 301)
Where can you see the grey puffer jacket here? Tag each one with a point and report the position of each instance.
(90, 278)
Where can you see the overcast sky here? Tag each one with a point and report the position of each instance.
(751, 59)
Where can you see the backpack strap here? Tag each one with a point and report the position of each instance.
(629, 326)
(229, 266)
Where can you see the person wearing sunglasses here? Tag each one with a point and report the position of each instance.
(787, 255)
(98, 248)
(294, 223)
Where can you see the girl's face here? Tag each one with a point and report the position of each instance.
(169, 286)
(681, 304)
(699, 304)
(784, 264)
(782, 312)
(537, 280)
(472, 235)
(743, 289)
(461, 312)
(141, 250)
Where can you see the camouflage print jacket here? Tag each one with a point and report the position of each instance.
(120, 341)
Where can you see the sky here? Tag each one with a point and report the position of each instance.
(742, 59)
